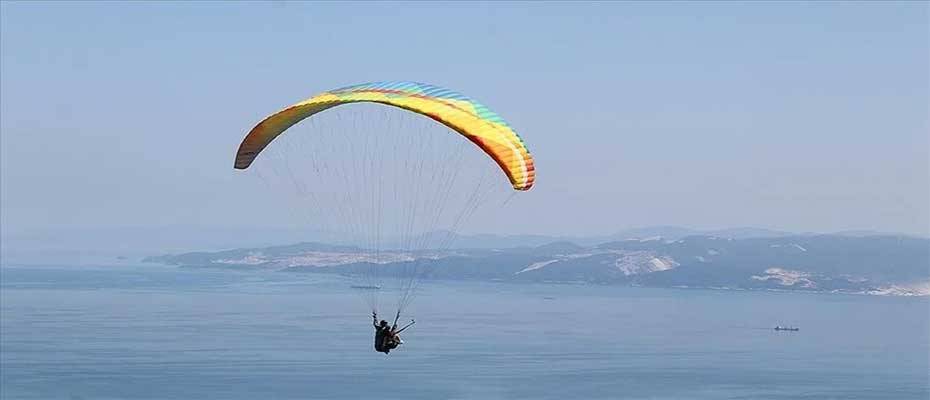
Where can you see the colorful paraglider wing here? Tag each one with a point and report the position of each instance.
(463, 115)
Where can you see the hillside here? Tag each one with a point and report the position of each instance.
(895, 265)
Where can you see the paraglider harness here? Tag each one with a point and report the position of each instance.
(387, 338)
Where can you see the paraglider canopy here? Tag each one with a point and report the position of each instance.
(462, 114)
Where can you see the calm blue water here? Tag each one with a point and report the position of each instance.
(166, 333)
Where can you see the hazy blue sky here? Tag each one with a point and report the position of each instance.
(796, 116)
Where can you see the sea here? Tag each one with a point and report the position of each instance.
(158, 332)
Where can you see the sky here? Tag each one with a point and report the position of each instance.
(807, 117)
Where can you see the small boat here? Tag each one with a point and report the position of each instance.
(367, 287)
(786, 328)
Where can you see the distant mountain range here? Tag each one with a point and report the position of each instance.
(98, 246)
(490, 241)
(666, 232)
(748, 258)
